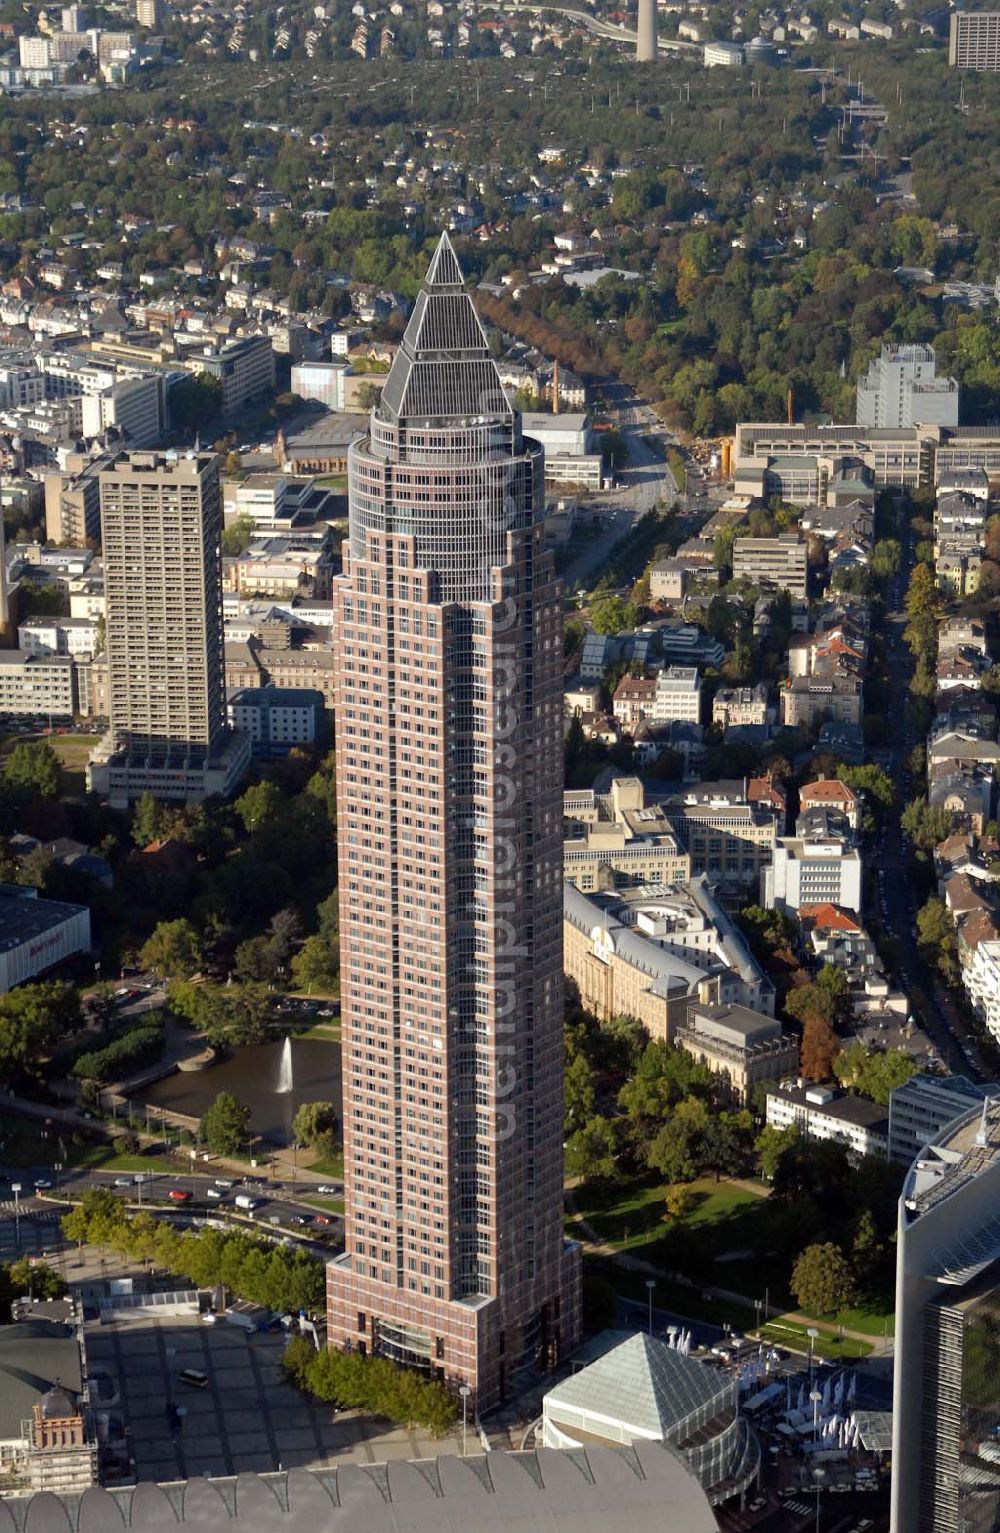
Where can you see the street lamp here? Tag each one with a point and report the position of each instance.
(758, 1305)
(465, 1392)
(818, 1475)
(650, 1285)
(815, 1396)
(812, 1333)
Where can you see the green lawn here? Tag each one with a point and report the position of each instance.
(72, 751)
(789, 1333)
(328, 1205)
(728, 1218)
(329, 1165)
(725, 1241)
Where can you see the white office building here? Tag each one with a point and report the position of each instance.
(820, 871)
(901, 388)
(823, 1112)
(678, 695)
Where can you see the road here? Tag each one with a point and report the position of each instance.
(281, 1204)
(931, 1003)
(598, 27)
(647, 481)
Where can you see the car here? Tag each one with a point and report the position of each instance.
(300, 1219)
(214, 1194)
(326, 1187)
(220, 1181)
(123, 1181)
(42, 1184)
(322, 1219)
(179, 1195)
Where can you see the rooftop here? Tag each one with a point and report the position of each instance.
(24, 917)
(843, 1106)
(34, 1354)
(587, 1490)
(644, 1384)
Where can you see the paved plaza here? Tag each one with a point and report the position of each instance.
(248, 1418)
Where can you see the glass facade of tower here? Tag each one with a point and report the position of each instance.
(960, 1431)
(447, 631)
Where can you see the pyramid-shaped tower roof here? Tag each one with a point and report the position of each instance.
(645, 1385)
(443, 368)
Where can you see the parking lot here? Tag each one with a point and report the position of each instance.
(247, 1418)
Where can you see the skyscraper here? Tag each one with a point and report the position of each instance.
(161, 526)
(447, 634)
(645, 37)
(946, 1383)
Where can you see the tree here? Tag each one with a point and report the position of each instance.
(151, 820)
(818, 1050)
(226, 1124)
(592, 1152)
(315, 1124)
(925, 825)
(239, 535)
(259, 806)
(936, 937)
(680, 1150)
(822, 1280)
(771, 1144)
(872, 1073)
(680, 1199)
(612, 615)
(173, 950)
(195, 402)
(886, 557)
(316, 966)
(873, 781)
(36, 1278)
(32, 1017)
(579, 1093)
(32, 768)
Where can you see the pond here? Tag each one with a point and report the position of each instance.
(252, 1075)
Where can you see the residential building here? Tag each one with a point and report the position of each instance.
(448, 641)
(151, 14)
(687, 644)
(48, 1437)
(651, 953)
(644, 1390)
(831, 793)
(723, 55)
(276, 718)
(925, 1105)
(944, 1471)
(823, 870)
(780, 562)
(667, 580)
(728, 835)
(981, 978)
(36, 685)
(732, 706)
(618, 839)
(974, 40)
(37, 934)
(823, 696)
(161, 524)
(75, 636)
(634, 700)
(73, 500)
(901, 388)
(822, 1112)
(678, 695)
(581, 696)
(243, 367)
(336, 385)
(745, 1048)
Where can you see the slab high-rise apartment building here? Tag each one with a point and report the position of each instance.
(447, 635)
(161, 528)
